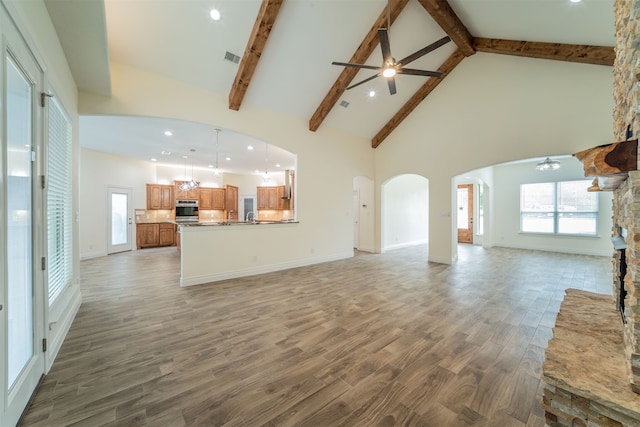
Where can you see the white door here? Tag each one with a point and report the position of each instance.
(22, 296)
(120, 220)
(356, 219)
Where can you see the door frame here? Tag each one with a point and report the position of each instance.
(466, 236)
(129, 246)
(13, 402)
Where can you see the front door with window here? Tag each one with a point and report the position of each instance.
(465, 213)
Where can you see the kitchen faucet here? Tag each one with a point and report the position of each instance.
(250, 216)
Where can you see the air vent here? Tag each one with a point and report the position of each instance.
(231, 57)
(344, 103)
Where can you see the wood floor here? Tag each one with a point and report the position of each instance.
(376, 340)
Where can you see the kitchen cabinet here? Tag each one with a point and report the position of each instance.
(154, 235)
(160, 197)
(212, 199)
(166, 234)
(283, 204)
(231, 202)
(267, 198)
(192, 194)
(271, 198)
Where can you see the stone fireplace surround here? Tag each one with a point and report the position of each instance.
(592, 364)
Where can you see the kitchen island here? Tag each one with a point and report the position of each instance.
(219, 250)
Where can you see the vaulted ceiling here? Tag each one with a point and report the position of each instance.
(286, 48)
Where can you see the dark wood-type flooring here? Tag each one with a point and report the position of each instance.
(375, 340)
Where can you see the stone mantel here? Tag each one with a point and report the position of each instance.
(584, 368)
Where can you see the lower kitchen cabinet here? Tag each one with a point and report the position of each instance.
(155, 235)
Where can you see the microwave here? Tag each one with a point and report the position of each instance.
(186, 210)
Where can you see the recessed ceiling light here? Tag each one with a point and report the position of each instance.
(372, 93)
(257, 171)
(154, 160)
(278, 165)
(210, 166)
(575, 1)
(168, 133)
(228, 158)
(165, 153)
(250, 147)
(215, 14)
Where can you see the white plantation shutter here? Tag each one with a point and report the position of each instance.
(59, 201)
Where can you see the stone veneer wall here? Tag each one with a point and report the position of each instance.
(626, 199)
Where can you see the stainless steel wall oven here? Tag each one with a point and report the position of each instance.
(186, 210)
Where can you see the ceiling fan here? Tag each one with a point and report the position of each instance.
(390, 67)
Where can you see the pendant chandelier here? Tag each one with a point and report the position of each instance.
(216, 171)
(192, 184)
(548, 164)
(185, 184)
(266, 162)
(188, 185)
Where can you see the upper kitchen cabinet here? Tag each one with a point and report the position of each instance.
(160, 197)
(192, 194)
(267, 198)
(231, 203)
(212, 199)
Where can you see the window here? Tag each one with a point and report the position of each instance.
(559, 208)
(59, 205)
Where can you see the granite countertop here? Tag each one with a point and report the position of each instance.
(231, 222)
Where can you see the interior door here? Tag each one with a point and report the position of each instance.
(22, 295)
(120, 221)
(465, 213)
(356, 219)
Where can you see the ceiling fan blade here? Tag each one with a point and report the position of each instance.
(391, 81)
(414, 72)
(383, 36)
(348, 64)
(363, 81)
(433, 46)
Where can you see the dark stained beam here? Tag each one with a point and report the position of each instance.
(362, 53)
(585, 54)
(257, 41)
(446, 18)
(418, 97)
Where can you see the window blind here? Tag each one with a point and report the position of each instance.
(59, 201)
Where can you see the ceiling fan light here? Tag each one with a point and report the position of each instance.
(389, 72)
(548, 164)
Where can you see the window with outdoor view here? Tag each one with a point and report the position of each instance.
(564, 207)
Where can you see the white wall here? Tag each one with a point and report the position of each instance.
(98, 171)
(405, 211)
(508, 179)
(493, 109)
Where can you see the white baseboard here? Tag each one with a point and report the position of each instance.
(199, 280)
(593, 252)
(441, 260)
(63, 324)
(92, 255)
(404, 245)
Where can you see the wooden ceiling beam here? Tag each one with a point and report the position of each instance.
(585, 54)
(446, 18)
(418, 97)
(257, 41)
(362, 53)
